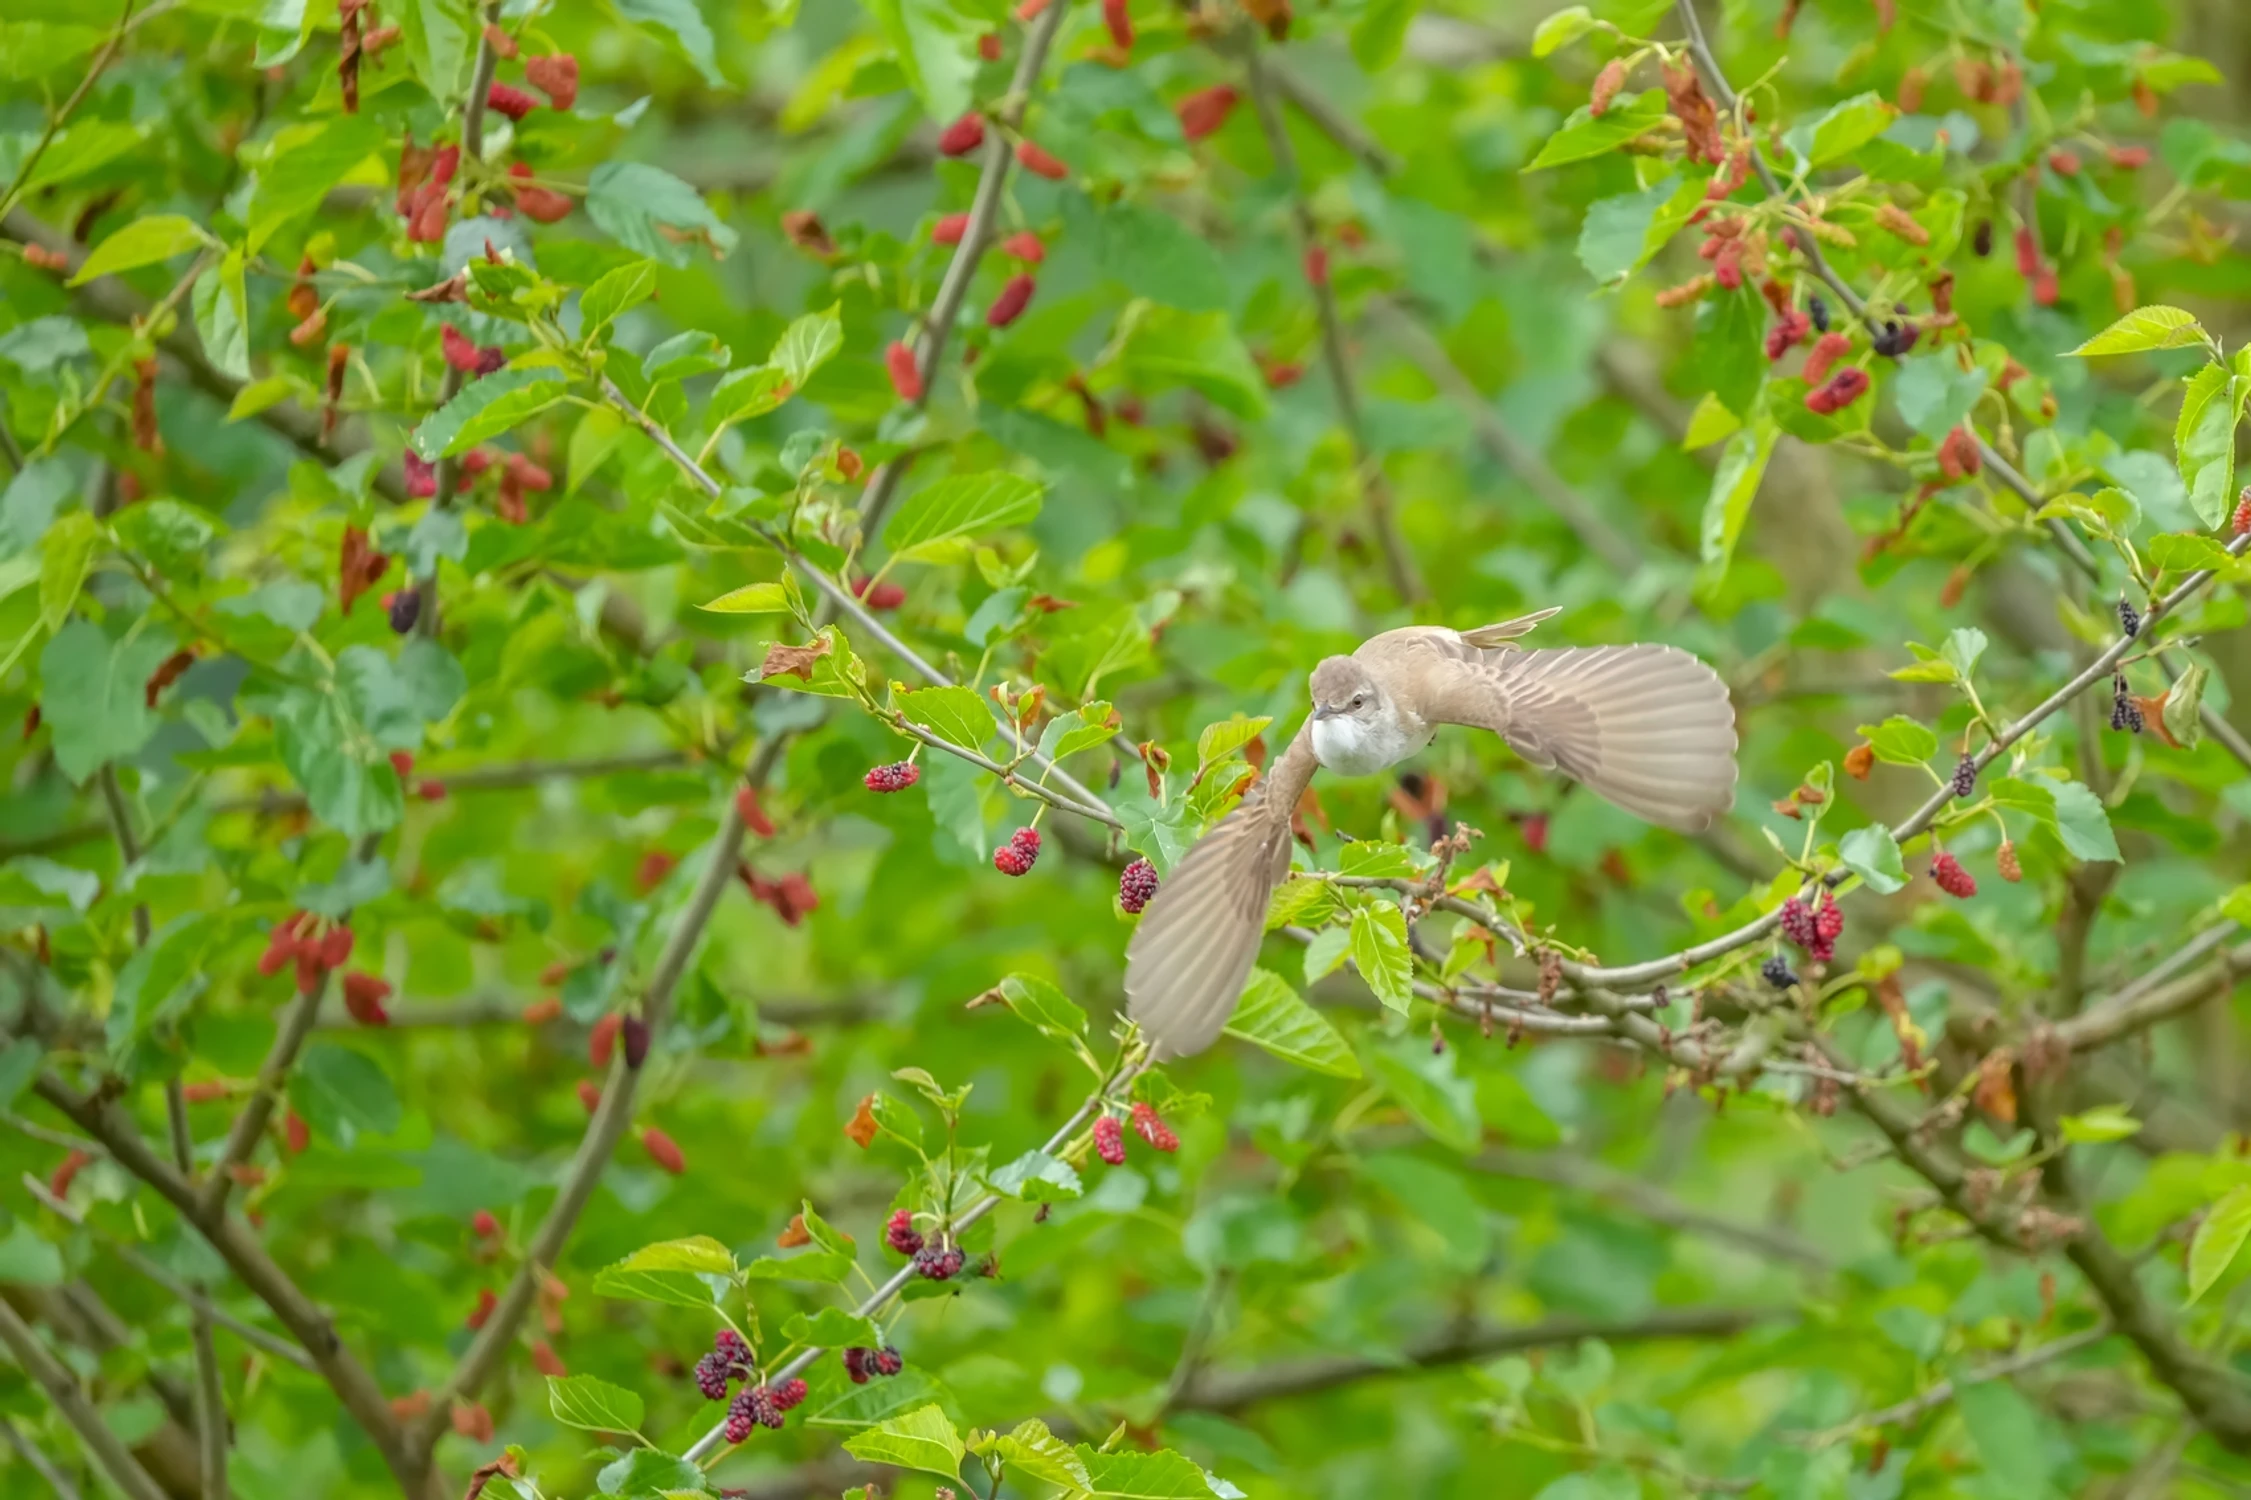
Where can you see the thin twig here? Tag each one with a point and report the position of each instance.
(2141, 1006)
(1398, 563)
(984, 212)
(197, 1300)
(1649, 1201)
(115, 1459)
(1945, 1391)
(55, 123)
(38, 1462)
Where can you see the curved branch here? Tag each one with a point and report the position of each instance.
(116, 1460)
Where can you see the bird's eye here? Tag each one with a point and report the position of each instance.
(1358, 699)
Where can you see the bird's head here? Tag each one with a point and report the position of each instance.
(1342, 689)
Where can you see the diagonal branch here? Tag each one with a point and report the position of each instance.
(1945, 1391)
(1398, 563)
(48, 1372)
(38, 1462)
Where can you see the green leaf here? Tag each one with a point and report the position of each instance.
(1427, 1088)
(1047, 1009)
(221, 302)
(593, 1405)
(935, 47)
(1032, 1452)
(2186, 552)
(954, 714)
(2082, 823)
(1935, 394)
(647, 1474)
(1435, 1198)
(93, 697)
(486, 408)
(922, 1440)
(1199, 350)
(1373, 859)
(1161, 832)
(634, 203)
(1151, 253)
(614, 294)
(1143, 1476)
(1622, 234)
(2181, 715)
(1379, 949)
(1586, 134)
(752, 599)
(693, 1273)
(1561, 29)
(65, 555)
(1221, 740)
(1735, 483)
(343, 1092)
(2205, 440)
(2157, 327)
(1900, 741)
(831, 1328)
(1271, 1015)
(1710, 423)
(691, 352)
(938, 519)
(1848, 126)
(742, 395)
(436, 33)
(306, 165)
(144, 242)
(807, 344)
(1873, 854)
(2104, 1122)
(84, 148)
(1036, 1177)
(1380, 32)
(1080, 729)
(681, 23)
(1965, 644)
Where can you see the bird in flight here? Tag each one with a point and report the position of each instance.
(1649, 728)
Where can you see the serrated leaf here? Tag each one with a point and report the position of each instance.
(2082, 823)
(615, 293)
(1271, 1015)
(1222, 739)
(306, 164)
(1585, 134)
(807, 344)
(1380, 951)
(958, 509)
(1031, 1451)
(1080, 729)
(636, 204)
(1900, 741)
(923, 1440)
(2217, 1240)
(751, 599)
(2204, 439)
(744, 394)
(486, 408)
(593, 1405)
(1848, 126)
(954, 714)
(144, 242)
(1873, 854)
(1373, 859)
(831, 1328)
(1047, 1009)
(1129, 1475)
(2155, 327)
(1036, 1177)
(1561, 29)
(688, 353)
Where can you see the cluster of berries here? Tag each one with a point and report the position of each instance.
(1815, 929)
(312, 942)
(1017, 855)
(932, 1262)
(2125, 713)
(1109, 1134)
(862, 1364)
(754, 1405)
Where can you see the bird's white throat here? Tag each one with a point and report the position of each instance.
(1353, 746)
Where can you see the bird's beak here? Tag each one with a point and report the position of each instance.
(1324, 711)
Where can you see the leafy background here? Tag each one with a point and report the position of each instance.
(1391, 341)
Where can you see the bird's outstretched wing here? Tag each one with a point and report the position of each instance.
(1647, 727)
(1188, 960)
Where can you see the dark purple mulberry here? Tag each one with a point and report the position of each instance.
(887, 1361)
(406, 608)
(899, 1233)
(856, 1365)
(1777, 972)
(2129, 619)
(934, 1263)
(1797, 922)
(1965, 777)
(711, 1377)
(1136, 884)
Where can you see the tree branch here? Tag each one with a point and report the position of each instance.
(984, 211)
(2143, 1005)
(38, 1462)
(1649, 1201)
(247, 1258)
(115, 1459)
(1945, 1391)
(1398, 562)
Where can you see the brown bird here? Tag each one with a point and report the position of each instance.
(1647, 727)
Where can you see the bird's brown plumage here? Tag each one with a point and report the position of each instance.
(1649, 728)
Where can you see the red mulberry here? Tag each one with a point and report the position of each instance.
(899, 1233)
(1109, 1140)
(1150, 1128)
(1136, 884)
(1951, 877)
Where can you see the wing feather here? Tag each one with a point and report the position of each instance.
(1200, 935)
(1649, 728)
